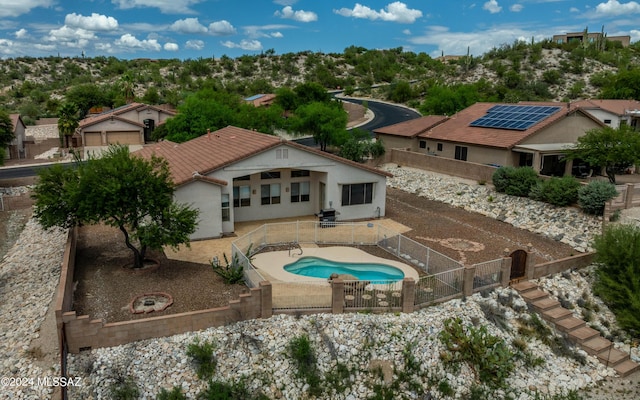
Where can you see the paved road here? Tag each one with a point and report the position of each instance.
(385, 114)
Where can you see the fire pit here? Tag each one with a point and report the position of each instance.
(150, 302)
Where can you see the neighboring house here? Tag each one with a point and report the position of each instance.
(261, 100)
(131, 124)
(16, 148)
(233, 175)
(613, 113)
(403, 134)
(535, 135)
(590, 37)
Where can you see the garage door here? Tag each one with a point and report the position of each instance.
(125, 137)
(92, 139)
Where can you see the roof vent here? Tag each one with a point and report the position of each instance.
(196, 174)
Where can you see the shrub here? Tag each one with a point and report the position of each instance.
(175, 394)
(557, 191)
(514, 181)
(593, 197)
(124, 389)
(304, 356)
(203, 357)
(618, 274)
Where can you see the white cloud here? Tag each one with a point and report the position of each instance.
(96, 22)
(45, 47)
(188, 25)
(130, 42)
(6, 47)
(258, 31)
(15, 8)
(613, 8)
(21, 34)
(635, 35)
(171, 47)
(574, 10)
(251, 45)
(492, 6)
(516, 7)
(406, 32)
(277, 35)
(69, 34)
(394, 12)
(165, 6)
(194, 44)
(221, 28)
(300, 15)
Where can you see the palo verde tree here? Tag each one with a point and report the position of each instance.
(6, 133)
(611, 148)
(121, 190)
(327, 122)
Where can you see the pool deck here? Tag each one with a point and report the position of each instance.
(270, 264)
(203, 251)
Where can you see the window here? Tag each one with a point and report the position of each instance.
(526, 160)
(270, 175)
(270, 194)
(423, 144)
(607, 121)
(299, 192)
(282, 154)
(242, 178)
(361, 193)
(439, 146)
(242, 196)
(461, 153)
(226, 214)
(299, 173)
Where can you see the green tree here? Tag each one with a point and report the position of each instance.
(327, 122)
(6, 133)
(611, 148)
(87, 96)
(67, 122)
(120, 190)
(618, 273)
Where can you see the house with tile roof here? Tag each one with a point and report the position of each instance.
(613, 113)
(535, 134)
(131, 124)
(403, 134)
(16, 148)
(234, 175)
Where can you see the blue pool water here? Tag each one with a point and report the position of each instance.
(320, 268)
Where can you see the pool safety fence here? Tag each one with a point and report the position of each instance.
(439, 287)
(362, 295)
(487, 274)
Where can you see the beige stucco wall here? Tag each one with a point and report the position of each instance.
(567, 130)
(332, 173)
(398, 142)
(475, 154)
(206, 198)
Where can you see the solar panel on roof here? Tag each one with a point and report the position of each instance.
(516, 117)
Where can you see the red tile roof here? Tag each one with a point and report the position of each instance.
(223, 147)
(618, 107)
(457, 129)
(412, 128)
(94, 119)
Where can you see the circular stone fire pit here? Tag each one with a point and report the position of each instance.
(150, 302)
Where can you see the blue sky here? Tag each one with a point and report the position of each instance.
(212, 28)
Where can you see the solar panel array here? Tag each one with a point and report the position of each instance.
(515, 117)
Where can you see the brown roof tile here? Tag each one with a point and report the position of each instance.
(120, 110)
(223, 147)
(457, 129)
(412, 128)
(618, 107)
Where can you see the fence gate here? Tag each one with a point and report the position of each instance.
(518, 264)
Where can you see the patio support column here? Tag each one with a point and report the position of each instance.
(408, 294)
(266, 300)
(337, 296)
(467, 280)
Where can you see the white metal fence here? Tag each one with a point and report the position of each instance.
(444, 285)
(487, 275)
(361, 295)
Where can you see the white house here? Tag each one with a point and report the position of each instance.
(233, 175)
(613, 113)
(16, 148)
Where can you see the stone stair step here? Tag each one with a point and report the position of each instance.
(556, 314)
(545, 304)
(627, 368)
(524, 286)
(594, 345)
(612, 357)
(569, 324)
(585, 334)
(533, 295)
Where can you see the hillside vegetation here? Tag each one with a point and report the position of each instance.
(36, 87)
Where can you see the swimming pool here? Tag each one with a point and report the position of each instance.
(317, 267)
